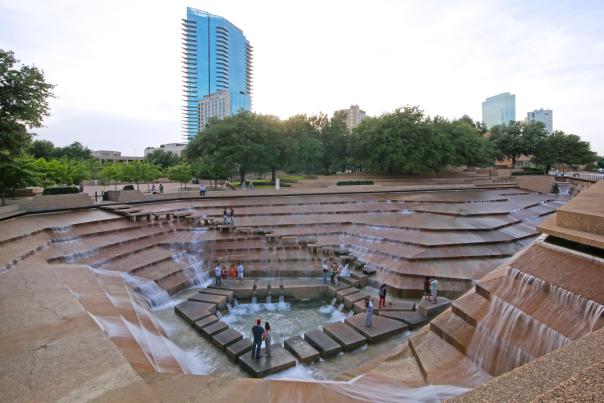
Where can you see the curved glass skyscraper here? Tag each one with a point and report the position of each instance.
(217, 57)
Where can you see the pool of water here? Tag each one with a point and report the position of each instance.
(287, 319)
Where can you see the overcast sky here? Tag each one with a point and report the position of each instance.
(116, 63)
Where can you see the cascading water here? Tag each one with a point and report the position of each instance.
(155, 296)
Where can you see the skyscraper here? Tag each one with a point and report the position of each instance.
(499, 109)
(217, 57)
(354, 116)
(544, 116)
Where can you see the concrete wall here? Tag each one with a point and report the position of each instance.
(536, 183)
(52, 202)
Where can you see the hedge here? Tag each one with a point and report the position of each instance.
(128, 187)
(60, 190)
(353, 183)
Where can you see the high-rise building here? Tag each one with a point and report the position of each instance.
(545, 116)
(217, 57)
(499, 109)
(354, 116)
(215, 105)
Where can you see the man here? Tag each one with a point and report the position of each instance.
(257, 333)
(382, 302)
(232, 216)
(225, 216)
(218, 274)
(240, 273)
(434, 289)
(161, 189)
(325, 271)
(202, 190)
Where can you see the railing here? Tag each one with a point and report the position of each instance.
(592, 177)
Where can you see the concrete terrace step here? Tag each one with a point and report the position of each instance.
(280, 359)
(225, 338)
(138, 261)
(192, 311)
(160, 270)
(382, 327)
(471, 307)
(219, 300)
(454, 330)
(217, 291)
(411, 319)
(301, 349)
(345, 335)
(326, 346)
(235, 350)
(97, 258)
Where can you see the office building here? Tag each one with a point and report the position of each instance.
(175, 148)
(499, 109)
(545, 116)
(104, 156)
(215, 105)
(354, 116)
(217, 57)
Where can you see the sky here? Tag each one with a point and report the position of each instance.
(117, 63)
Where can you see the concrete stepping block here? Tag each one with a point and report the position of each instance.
(351, 281)
(346, 336)
(428, 309)
(301, 349)
(362, 278)
(332, 290)
(347, 291)
(326, 346)
(219, 300)
(224, 339)
(217, 291)
(207, 321)
(350, 299)
(213, 329)
(382, 328)
(237, 349)
(412, 319)
(370, 271)
(192, 311)
(280, 359)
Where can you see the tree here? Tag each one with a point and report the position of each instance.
(110, 172)
(334, 138)
(162, 158)
(41, 149)
(74, 151)
(301, 145)
(182, 173)
(561, 148)
(139, 171)
(24, 95)
(202, 169)
(236, 143)
(468, 146)
(15, 175)
(517, 138)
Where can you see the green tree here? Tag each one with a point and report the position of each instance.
(111, 172)
(162, 158)
(24, 95)
(334, 138)
(468, 145)
(74, 151)
(14, 176)
(182, 173)
(517, 138)
(139, 171)
(201, 169)
(41, 149)
(302, 146)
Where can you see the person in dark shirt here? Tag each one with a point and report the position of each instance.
(257, 333)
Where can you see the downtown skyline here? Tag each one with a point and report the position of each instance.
(120, 88)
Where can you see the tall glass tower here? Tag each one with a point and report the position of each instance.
(217, 57)
(499, 109)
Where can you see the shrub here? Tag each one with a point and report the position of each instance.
(60, 190)
(353, 183)
(128, 187)
(310, 177)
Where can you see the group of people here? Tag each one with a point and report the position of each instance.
(332, 271)
(157, 190)
(260, 333)
(430, 289)
(245, 186)
(222, 274)
(228, 216)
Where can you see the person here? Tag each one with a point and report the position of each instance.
(332, 272)
(153, 189)
(232, 217)
(325, 271)
(224, 273)
(218, 274)
(81, 187)
(383, 291)
(161, 188)
(225, 216)
(233, 273)
(240, 273)
(337, 275)
(243, 187)
(434, 289)
(202, 190)
(257, 333)
(427, 288)
(267, 339)
(369, 312)
(252, 185)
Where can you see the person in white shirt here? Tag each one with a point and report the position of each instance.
(218, 274)
(434, 289)
(240, 273)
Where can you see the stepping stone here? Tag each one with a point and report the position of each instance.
(224, 339)
(412, 319)
(300, 348)
(348, 338)
(327, 346)
(398, 305)
(347, 291)
(239, 348)
(351, 281)
(207, 321)
(369, 271)
(280, 359)
(213, 329)
(192, 311)
(363, 278)
(219, 300)
(217, 291)
(382, 327)
(429, 309)
(350, 299)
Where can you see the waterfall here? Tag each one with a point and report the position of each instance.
(254, 300)
(341, 307)
(333, 301)
(155, 296)
(269, 299)
(281, 299)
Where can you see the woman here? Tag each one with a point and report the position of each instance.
(383, 291)
(369, 313)
(267, 339)
(224, 273)
(233, 273)
(427, 288)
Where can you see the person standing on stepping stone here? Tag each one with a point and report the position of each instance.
(218, 274)
(369, 312)
(232, 217)
(225, 216)
(382, 302)
(325, 271)
(257, 333)
(427, 288)
(240, 273)
(267, 339)
(434, 289)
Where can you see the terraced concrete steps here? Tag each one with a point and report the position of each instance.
(345, 335)
(301, 349)
(280, 360)
(326, 346)
(382, 327)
